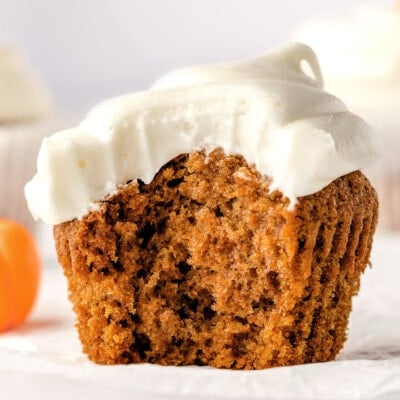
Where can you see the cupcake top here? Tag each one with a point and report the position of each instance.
(23, 96)
(267, 109)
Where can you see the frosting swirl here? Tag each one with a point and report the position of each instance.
(360, 49)
(266, 109)
(22, 94)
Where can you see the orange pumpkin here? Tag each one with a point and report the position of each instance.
(19, 273)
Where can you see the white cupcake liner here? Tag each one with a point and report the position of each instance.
(19, 146)
(385, 177)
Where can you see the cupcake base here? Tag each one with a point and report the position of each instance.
(205, 266)
(19, 145)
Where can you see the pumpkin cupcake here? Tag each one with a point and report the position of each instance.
(218, 219)
(26, 116)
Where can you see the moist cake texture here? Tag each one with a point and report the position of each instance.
(217, 219)
(205, 266)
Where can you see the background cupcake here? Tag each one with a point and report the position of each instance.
(360, 56)
(26, 116)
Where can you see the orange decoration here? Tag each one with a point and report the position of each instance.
(19, 273)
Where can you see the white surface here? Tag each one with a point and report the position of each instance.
(42, 359)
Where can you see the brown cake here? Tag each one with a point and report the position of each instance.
(205, 266)
(218, 219)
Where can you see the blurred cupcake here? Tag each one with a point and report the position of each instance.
(26, 116)
(360, 55)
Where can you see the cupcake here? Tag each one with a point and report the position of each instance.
(218, 219)
(25, 117)
(360, 56)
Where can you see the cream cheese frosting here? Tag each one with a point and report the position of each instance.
(360, 56)
(360, 49)
(270, 109)
(22, 94)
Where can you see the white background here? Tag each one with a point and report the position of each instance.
(89, 50)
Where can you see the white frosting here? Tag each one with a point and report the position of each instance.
(360, 56)
(266, 109)
(22, 94)
(363, 48)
